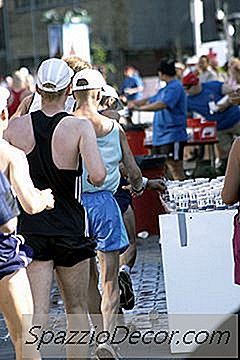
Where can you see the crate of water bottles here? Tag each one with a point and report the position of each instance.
(201, 194)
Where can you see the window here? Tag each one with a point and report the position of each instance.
(40, 4)
(51, 3)
(22, 4)
(2, 40)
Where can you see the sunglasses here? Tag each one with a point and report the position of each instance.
(187, 87)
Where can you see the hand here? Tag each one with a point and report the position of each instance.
(164, 205)
(133, 193)
(127, 91)
(123, 99)
(131, 91)
(48, 197)
(130, 104)
(157, 184)
(234, 98)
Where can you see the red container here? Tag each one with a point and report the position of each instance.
(148, 206)
(200, 130)
(193, 122)
(135, 137)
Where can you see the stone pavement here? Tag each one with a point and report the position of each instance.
(148, 283)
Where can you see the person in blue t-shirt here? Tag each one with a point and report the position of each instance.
(169, 122)
(203, 98)
(132, 86)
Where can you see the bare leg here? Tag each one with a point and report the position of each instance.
(74, 282)
(94, 296)
(15, 301)
(109, 263)
(129, 256)
(40, 275)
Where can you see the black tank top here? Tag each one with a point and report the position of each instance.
(68, 216)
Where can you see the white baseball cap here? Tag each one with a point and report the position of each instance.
(88, 79)
(4, 95)
(109, 90)
(193, 60)
(179, 65)
(54, 72)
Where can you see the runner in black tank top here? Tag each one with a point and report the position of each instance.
(58, 239)
(58, 234)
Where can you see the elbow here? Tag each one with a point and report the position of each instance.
(32, 208)
(10, 226)
(228, 202)
(98, 178)
(227, 199)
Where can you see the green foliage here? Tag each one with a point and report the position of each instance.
(99, 58)
(99, 55)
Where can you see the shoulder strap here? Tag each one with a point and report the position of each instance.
(31, 102)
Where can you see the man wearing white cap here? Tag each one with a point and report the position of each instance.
(111, 103)
(55, 143)
(105, 220)
(33, 102)
(16, 297)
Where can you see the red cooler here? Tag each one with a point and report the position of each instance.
(148, 206)
(135, 136)
(201, 130)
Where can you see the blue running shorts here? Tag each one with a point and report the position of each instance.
(14, 254)
(123, 197)
(105, 221)
(8, 203)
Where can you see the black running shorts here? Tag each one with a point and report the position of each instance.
(64, 251)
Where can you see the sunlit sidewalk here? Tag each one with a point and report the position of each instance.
(150, 300)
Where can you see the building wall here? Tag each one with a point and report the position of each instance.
(106, 27)
(136, 31)
(158, 24)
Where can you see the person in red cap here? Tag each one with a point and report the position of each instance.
(190, 79)
(204, 99)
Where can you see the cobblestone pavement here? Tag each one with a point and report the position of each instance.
(148, 283)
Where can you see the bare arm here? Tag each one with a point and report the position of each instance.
(133, 103)
(134, 90)
(134, 172)
(158, 105)
(31, 199)
(20, 133)
(23, 107)
(10, 226)
(88, 148)
(226, 89)
(230, 192)
(112, 114)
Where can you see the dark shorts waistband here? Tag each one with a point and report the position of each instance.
(63, 251)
